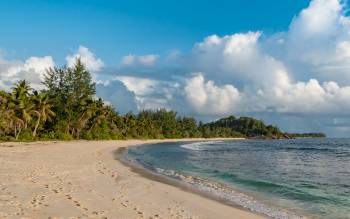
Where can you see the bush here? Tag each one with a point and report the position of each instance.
(64, 136)
(49, 135)
(26, 135)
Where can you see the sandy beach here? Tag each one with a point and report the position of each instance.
(82, 179)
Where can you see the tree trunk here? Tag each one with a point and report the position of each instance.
(36, 126)
(16, 131)
(19, 132)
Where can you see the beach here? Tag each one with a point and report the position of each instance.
(82, 179)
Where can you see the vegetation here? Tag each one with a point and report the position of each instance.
(68, 109)
(244, 126)
(306, 135)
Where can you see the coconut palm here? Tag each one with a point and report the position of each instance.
(22, 106)
(21, 89)
(43, 109)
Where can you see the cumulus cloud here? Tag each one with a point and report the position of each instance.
(116, 93)
(238, 57)
(318, 41)
(150, 93)
(88, 58)
(34, 68)
(268, 85)
(31, 70)
(207, 98)
(133, 60)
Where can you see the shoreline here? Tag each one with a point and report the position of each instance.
(82, 179)
(149, 174)
(206, 188)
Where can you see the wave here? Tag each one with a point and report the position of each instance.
(199, 146)
(226, 193)
(280, 189)
(310, 149)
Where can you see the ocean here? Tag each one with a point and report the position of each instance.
(278, 178)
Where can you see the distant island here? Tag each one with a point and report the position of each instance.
(306, 135)
(68, 109)
(250, 128)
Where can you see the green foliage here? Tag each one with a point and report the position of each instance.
(243, 126)
(68, 109)
(306, 135)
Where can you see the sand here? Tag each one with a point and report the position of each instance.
(82, 179)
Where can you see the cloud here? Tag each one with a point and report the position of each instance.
(207, 98)
(239, 58)
(317, 42)
(116, 93)
(151, 94)
(267, 85)
(88, 58)
(133, 60)
(31, 70)
(139, 86)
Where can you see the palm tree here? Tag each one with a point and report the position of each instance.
(4, 112)
(21, 89)
(42, 109)
(87, 110)
(102, 113)
(22, 106)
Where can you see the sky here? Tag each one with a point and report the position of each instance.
(286, 62)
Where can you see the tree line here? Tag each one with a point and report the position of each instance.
(68, 109)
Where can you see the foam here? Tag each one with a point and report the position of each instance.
(225, 192)
(199, 146)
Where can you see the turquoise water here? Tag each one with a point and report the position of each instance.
(309, 177)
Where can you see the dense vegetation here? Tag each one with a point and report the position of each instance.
(306, 135)
(68, 109)
(244, 126)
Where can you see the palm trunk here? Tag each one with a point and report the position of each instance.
(19, 132)
(36, 126)
(16, 131)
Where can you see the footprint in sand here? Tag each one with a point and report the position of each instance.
(101, 172)
(77, 203)
(38, 200)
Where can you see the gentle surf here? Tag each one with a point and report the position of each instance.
(281, 179)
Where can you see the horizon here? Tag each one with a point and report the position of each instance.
(227, 58)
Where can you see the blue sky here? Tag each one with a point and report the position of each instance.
(286, 62)
(115, 28)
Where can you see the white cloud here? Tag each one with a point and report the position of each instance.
(267, 84)
(321, 18)
(88, 59)
(140, 86)
(146, 60)
(317, 43)
(31, 70)
(207, 98)
(153, 94)
(238, 57)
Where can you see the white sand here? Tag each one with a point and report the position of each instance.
(81, 179)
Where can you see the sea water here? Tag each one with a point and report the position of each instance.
(279, 178)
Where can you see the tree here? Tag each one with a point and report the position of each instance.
(43, 109)
(21, 107)
(73, 90)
